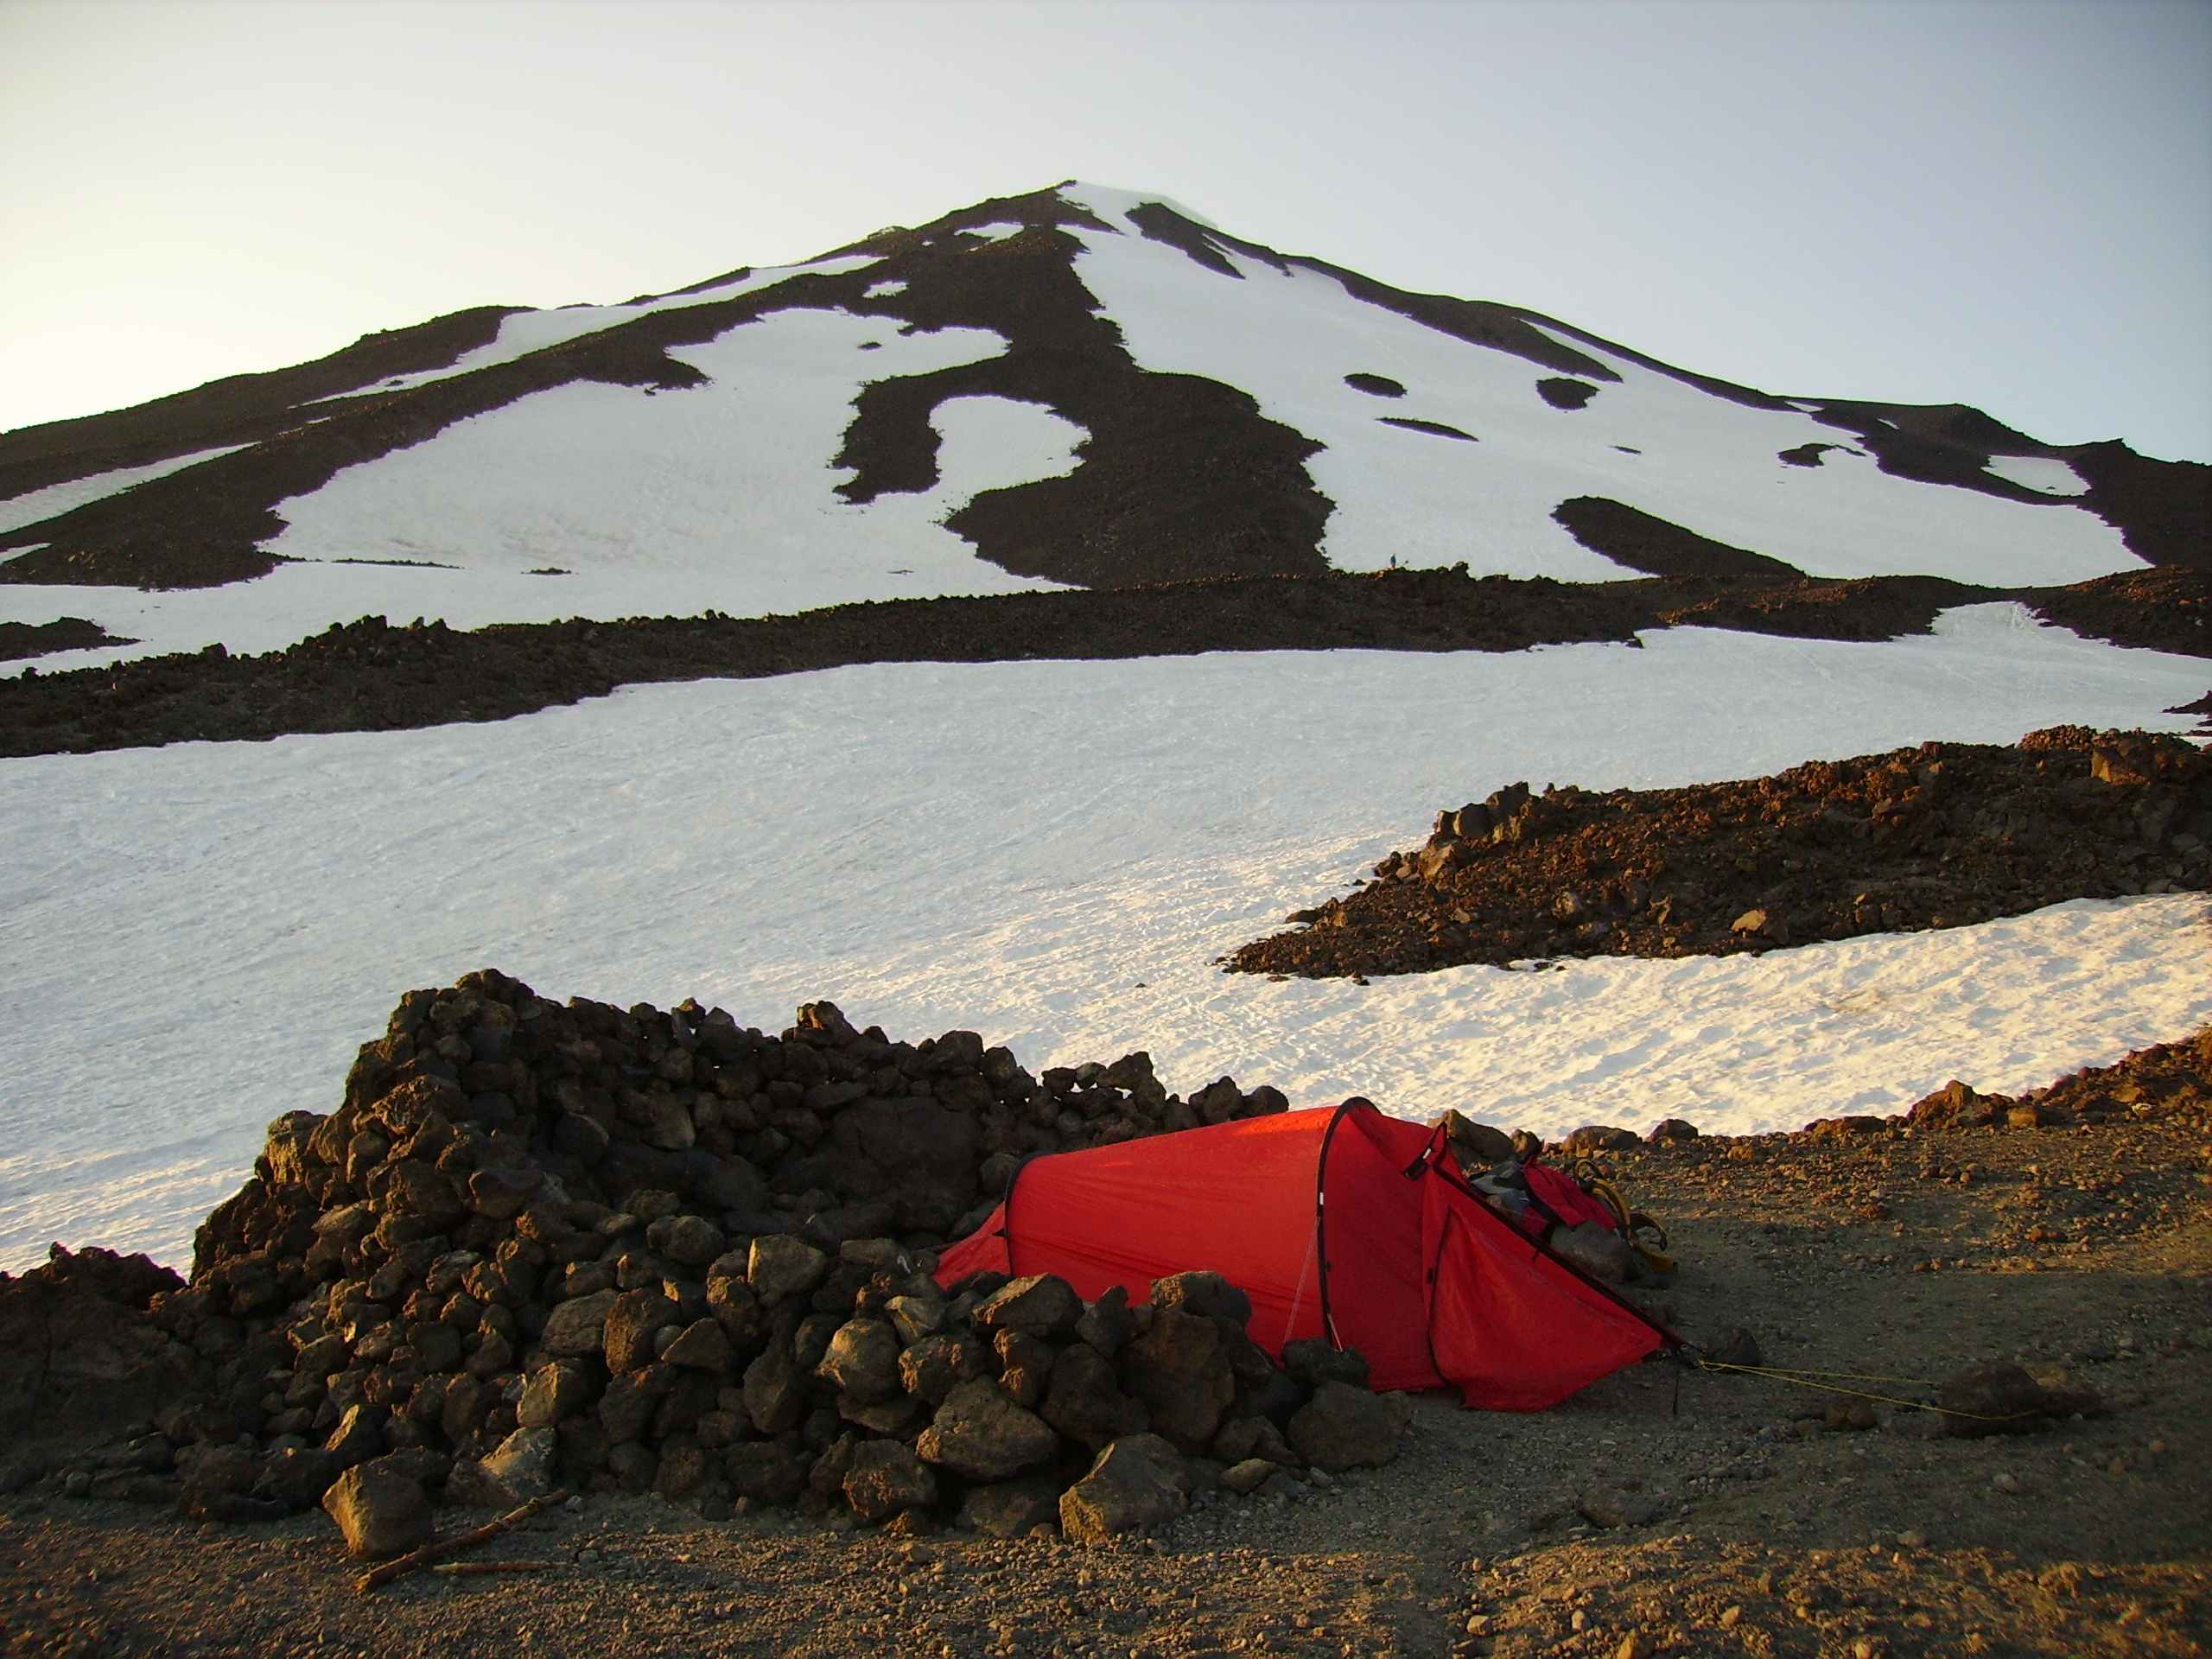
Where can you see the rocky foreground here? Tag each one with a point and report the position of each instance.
(794, 1442)
(1941, 835)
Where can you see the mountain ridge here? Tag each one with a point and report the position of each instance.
(1180, 475)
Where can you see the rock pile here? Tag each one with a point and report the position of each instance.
(637, 1251)
(1941, 835)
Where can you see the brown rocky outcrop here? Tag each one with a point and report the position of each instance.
(1941, 835)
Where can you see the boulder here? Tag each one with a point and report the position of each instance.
(775, 1392)
(982, 1434)
(1106, 1324)
(379, 1512)
(1954, 1106)
(296, 1477)
(733, 1305)
(702, 1346)
(554, 1391)
(1850, 1127)
(682, 1467)
(357, 1435)
(501, 1192)
(1311, 1362)
(1249, 1475)
(208, 1469)
(77, 1349)
(768, 1472)
(1206, 1293)
(634, 1320)
(1010, 1509)
(782, 1266)
(1477, 1146)
(628, 1408)
(862, 1360)
(525, 1462)
(884, 1478)
(915, 1316)
(578, 1326)
(691, 1240)
(1134, 1484)
(1735, 1346)
(932, 1367)
(473, 1487)
(1244, 1438)
(1180, 1370)
(1025, 1365)
(920, 1155)
(1615, 1506)
(1599, 1137)
(1343, 1427)
(1084, 1401)
(1042, 1304)
(414, 1187)
(1998, 1397)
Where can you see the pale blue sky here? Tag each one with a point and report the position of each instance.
(2003, 203)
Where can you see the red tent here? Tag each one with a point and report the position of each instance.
(1337, 1221)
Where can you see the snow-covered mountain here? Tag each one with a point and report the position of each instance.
(1080, 385)
(1077, 388)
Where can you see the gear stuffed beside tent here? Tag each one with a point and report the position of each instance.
(1341, 1224)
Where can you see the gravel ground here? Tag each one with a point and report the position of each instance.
(1662, 1511)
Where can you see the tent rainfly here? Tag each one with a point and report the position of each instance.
(1339, 1223)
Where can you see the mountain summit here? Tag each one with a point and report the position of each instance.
(1077, 386)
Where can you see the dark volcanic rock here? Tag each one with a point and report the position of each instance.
(1635, 538)
(370, 675)
(1344, 1427)
(1946, 834)
(1180, 1370)
(1999, 1398)
(77, 1347)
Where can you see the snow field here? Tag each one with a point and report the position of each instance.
(525, 332)
(1051, 853)
(1703, 462)
(715, 497)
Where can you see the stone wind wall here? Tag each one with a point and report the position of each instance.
(646, 1250)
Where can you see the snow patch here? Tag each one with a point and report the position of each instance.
(884, 290)
(54, 500)
(1105, 202)
(534, 331)
(2052, 477)
(995, 232)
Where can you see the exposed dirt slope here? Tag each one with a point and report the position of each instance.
(1938, 836)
